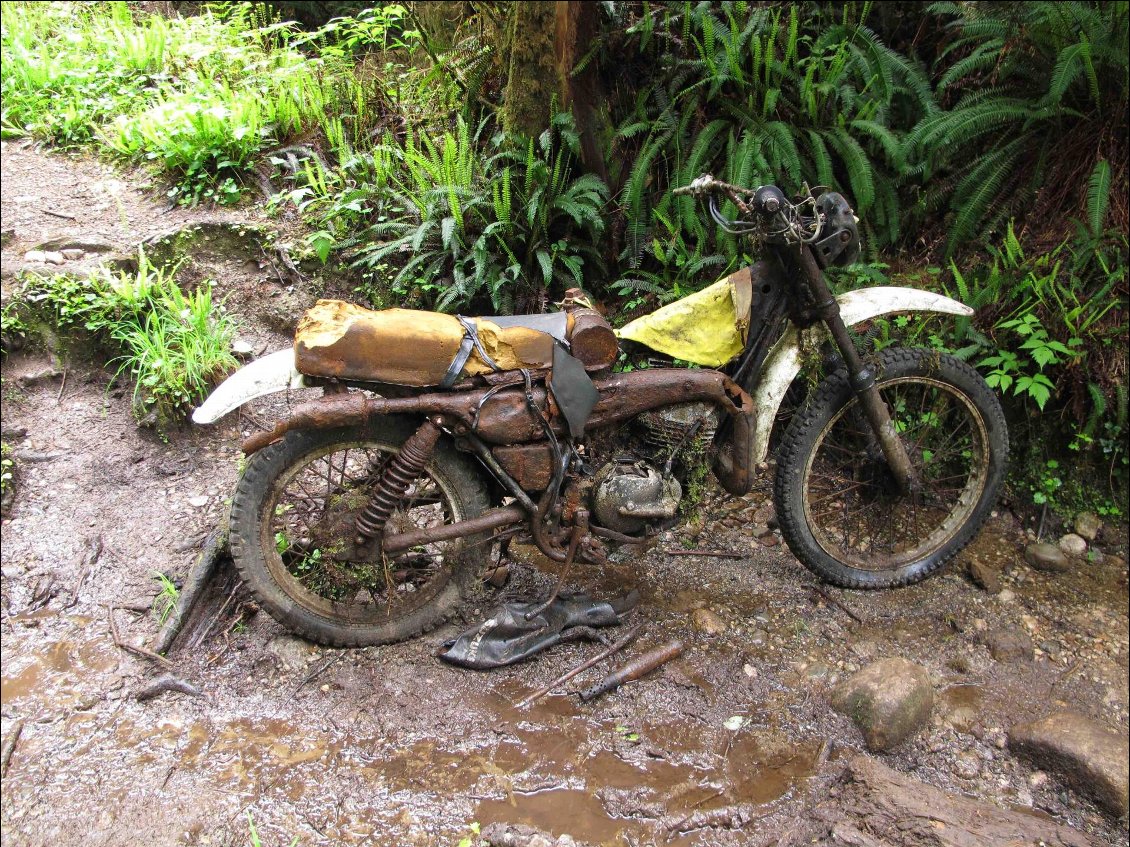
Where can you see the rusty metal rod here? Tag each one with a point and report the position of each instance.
(493, 519)
(580, 530)
(628, 638)
(717, 554)
(635, 669)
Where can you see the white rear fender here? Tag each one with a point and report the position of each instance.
(267, 375)
(784, 360)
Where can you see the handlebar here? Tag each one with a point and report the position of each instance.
(827, 223)
(766, 200)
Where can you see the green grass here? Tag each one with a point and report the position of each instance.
(201, 98)
(174, 344)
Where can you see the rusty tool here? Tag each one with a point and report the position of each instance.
(634, 670)
(628, 638)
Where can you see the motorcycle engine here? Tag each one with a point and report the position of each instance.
(643, 488)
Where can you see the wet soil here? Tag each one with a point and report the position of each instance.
(733, 743)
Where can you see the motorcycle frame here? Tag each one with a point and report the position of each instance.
(792, 305)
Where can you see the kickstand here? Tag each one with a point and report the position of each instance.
(580, 530)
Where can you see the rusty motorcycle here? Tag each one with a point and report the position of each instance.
(366, 515)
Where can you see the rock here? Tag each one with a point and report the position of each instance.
(7, 236)
(292, 651)
(72, 254)
(242, 349)
(522, 835)
(86, 243)
(1073, 545)
(41, 375)
(967, 766)
(1007, 643)
(984, 576)
(1007, 596)
(1090, 756)
(499, 576)
(889, 701)
(198, 502)
(1088, 526)
(54, 257)
(35, 256)
(1046, 557)
(707, 622)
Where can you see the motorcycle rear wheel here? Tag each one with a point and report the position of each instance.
(839, 509)
(292, 518)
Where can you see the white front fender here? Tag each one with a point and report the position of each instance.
(275, 372)
(783, 362)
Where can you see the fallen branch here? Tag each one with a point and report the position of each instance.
(202, 569)
(838, 604)
(628, 638)
(133, 648)
(55, 214)
(318, 671)
(164, 683)
(10, 747)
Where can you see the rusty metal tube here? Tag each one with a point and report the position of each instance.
(504, 418)
(493, 519)
(355, 408)
(634, 669)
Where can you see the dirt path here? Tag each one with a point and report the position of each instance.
(389, 746)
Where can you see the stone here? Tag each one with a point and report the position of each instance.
(499, 576)
(1091, 757)
(1088, 525)
(889, 701)
(1073, 545)
(37, 256)
(86, 243)
(73, 254)
(242, 348)
(1046, 557)
(293, 652)
(54, 257)
(707, 622)
(967, 765)
(198, 502)
(984, 576)
(1007, 643)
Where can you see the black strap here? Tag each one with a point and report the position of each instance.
(470, 342)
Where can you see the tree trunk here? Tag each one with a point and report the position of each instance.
(577, 26)
(533, 82)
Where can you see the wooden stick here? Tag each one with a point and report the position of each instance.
(584, 666)
(133, 648)
(62, 385)
(10, 747)
(55, 214)
(213, 549)
(717, 554)
(838, 604)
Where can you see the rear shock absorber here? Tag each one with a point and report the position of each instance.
(399, 474)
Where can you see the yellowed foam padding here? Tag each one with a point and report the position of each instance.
(406, 346)
(707, 328)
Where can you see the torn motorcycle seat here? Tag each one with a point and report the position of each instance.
(507, 637)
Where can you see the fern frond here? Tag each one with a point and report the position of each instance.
(1098, 197)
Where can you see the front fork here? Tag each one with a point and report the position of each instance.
(862, 377)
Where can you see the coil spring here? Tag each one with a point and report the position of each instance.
(400, 473)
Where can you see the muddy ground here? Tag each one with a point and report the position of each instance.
(388, 745)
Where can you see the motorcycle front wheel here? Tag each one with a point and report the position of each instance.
(838, 506)
(292, 521)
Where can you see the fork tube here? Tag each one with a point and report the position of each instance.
(863, 378)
